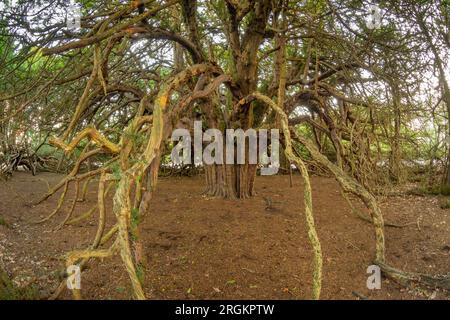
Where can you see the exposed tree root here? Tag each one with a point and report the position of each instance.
(72, 207)
(84, 216)
(85, 255)
(350, 185)
(363, 217)
(91, 211)
(84, 190)
(408, 278)
(73, 173)
(60, 203)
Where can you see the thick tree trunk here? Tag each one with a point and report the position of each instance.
(237, 181)
(230, 181)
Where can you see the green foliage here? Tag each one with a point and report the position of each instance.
(433, 190)
(445, 190)
(135, 219)
(47, 150)
(116, 171)
(137, 138)
(86, 4)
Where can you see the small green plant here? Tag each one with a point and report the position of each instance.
(445, 205)
(140, 272)
(231, 282)
(431, 190)
(120, 289)
(3, 222)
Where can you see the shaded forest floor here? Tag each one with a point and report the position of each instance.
(201, 248)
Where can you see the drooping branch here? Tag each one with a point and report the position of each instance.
(351, 185)
(122, 197)
(312, 233)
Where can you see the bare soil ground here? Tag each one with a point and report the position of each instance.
(202, 248)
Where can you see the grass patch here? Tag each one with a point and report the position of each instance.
(8, 291)
(433, 190)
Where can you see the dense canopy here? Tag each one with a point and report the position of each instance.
(358, 89)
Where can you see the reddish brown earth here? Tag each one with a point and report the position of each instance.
(202, 248)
